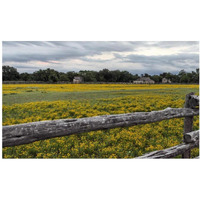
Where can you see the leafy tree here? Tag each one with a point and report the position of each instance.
(146, 75)
(184, 78)
(135, 77)
(115, 76)
(105, 75)
(89, 76)
(25, 76)
(71, 75)
(63, 77)
(10, 73)
(126, 76)
(156, 78)
(48, 75)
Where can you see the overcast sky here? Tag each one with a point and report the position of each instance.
(135, 57)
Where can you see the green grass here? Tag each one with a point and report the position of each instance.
(34, 96)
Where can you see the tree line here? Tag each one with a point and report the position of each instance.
(105, 75)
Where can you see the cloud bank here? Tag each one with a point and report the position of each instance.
(135, 57)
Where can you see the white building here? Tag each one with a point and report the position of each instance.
(144, 80)
(164, 80)
(78, 79)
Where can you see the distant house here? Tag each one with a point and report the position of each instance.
(78, 79)
(144, 80)
(164, 80)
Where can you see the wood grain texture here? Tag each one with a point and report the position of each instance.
(30, 132)
(193, 101)
(188, 121)
(191, 136)
(170, 152)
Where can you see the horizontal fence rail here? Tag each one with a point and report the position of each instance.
(30, 132)
(191, 141)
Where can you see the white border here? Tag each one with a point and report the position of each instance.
(90, 20)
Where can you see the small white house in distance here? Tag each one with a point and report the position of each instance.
(144, 80)
(164, 80)
(78, 79)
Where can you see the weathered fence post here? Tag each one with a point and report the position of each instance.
(188, 123)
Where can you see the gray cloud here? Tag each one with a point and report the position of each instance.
(159, 60)
(155, 64)
(63, 55)
(47, 51)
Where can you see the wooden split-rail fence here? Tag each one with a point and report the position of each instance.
(30, 132)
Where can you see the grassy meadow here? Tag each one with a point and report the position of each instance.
(37, 102)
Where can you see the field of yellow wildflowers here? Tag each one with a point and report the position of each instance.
(29, 103)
